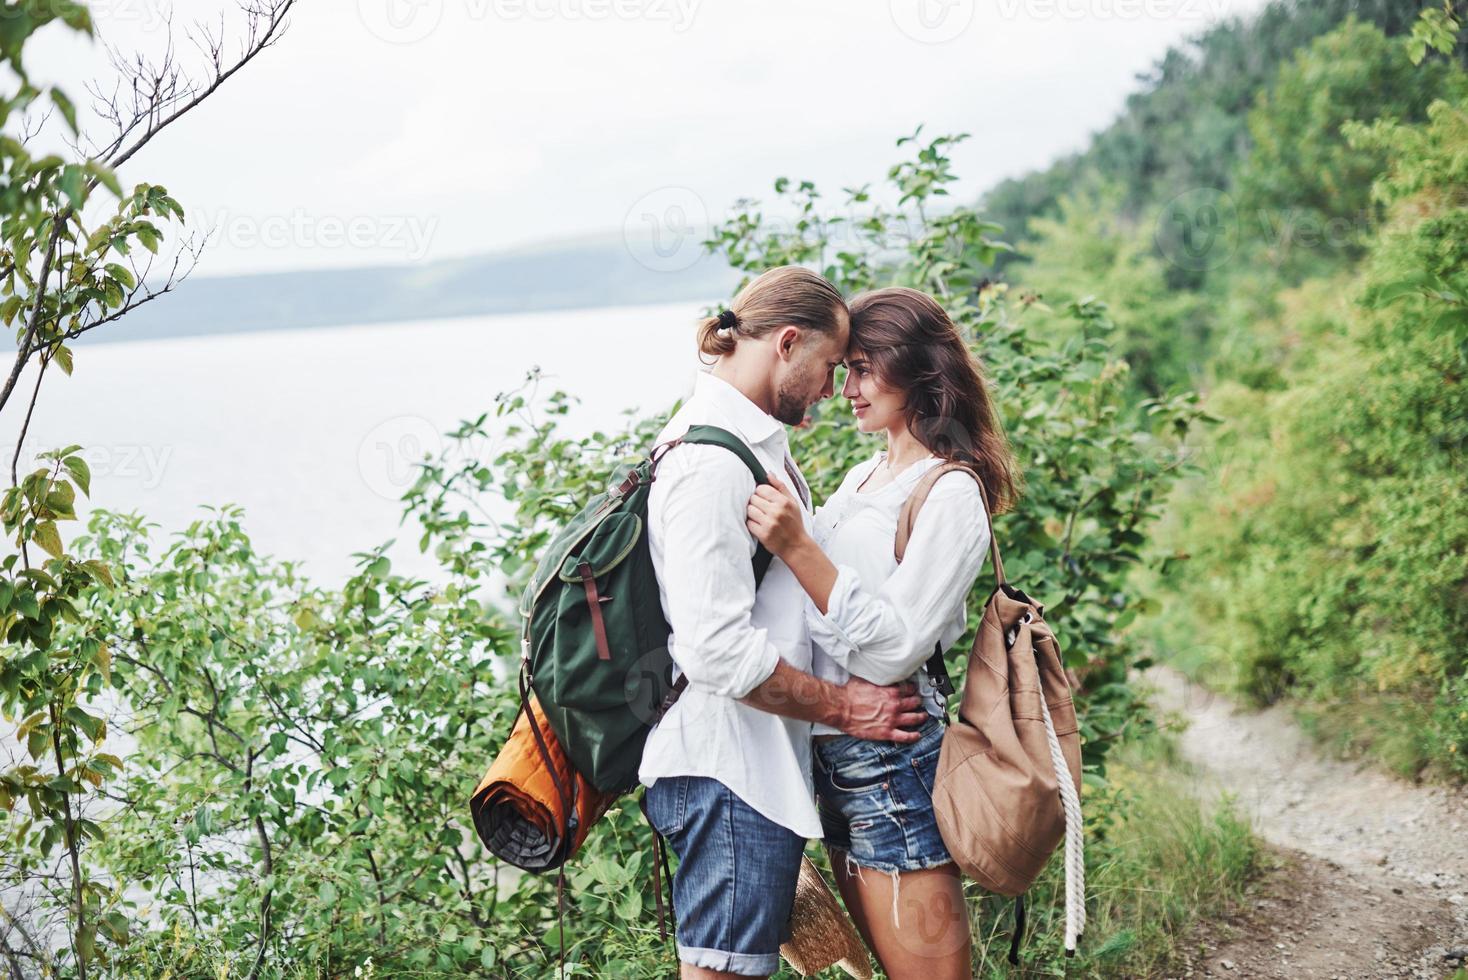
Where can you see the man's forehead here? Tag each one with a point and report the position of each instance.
(835, 344)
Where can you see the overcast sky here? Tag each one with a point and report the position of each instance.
(402, 131)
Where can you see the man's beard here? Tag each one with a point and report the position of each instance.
(789, 406)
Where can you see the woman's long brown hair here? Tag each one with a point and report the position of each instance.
(914, 348)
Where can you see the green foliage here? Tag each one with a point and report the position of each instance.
(291, 798)
(1319, 553)
(57, 278)
(1164, 863)
(1329, 548)
(302, 737)
(1437, 30)
(920, 245)
(1304, 188)
(1162, 333)
(1186, 128)
(1191, 269)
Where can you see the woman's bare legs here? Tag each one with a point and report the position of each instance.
(687, 971)
(929, 938)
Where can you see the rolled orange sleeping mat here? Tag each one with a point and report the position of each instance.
(520, 814)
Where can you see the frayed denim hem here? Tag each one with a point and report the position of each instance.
(891, 870)
(923, 864)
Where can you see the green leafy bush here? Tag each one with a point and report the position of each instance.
(293, 800)
(1329, 543)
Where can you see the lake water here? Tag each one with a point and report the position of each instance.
(315, 432)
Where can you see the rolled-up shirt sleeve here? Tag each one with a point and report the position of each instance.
(883, 635)
(702, 495)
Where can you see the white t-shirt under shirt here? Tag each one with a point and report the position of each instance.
(883, 620)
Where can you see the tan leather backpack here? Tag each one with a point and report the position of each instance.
(1009, 773)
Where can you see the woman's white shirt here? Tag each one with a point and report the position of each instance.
(883, 619)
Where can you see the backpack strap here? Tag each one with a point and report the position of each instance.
(1019, 931)
(712, 435)
(907, 518)
(568, 802)
(659, 860)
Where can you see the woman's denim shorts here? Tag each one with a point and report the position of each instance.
(876, 799)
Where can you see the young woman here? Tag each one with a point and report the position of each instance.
(911, 377)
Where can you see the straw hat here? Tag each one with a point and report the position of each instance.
(820, 931)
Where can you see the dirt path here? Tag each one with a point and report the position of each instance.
(1368, 875)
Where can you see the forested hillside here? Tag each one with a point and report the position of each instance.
(1279, 220)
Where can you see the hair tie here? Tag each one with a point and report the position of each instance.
(728, 320)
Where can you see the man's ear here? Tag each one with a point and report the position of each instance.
(787, 340)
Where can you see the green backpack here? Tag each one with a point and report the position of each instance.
(594, 647)
(595, 650)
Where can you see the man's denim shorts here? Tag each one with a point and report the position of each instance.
(735, 883)
(876, 799)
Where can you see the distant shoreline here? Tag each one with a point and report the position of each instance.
(570, 276)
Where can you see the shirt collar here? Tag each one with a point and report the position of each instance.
(749, 420)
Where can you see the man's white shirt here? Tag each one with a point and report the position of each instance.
(726, 636)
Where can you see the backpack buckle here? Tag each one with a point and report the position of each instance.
(635, 480)
(938, 673)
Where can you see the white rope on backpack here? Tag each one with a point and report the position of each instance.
(1075, 863)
